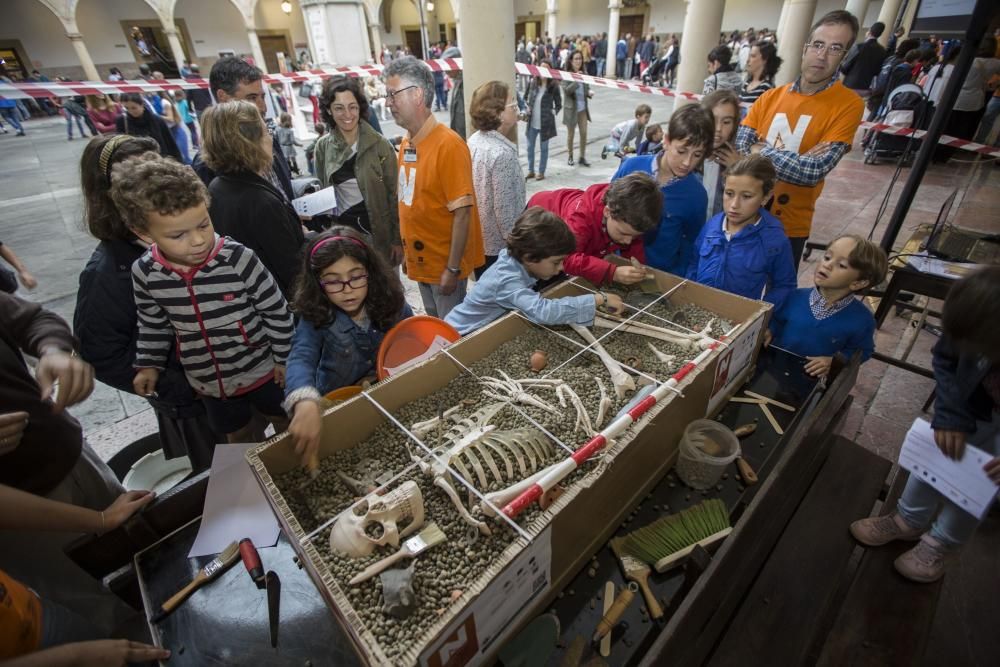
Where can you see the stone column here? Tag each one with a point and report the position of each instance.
(887, 15)
(338, 31)
(859, 8)
(702, 24)
(89, 70)
(486, 34)
(792, 40)
(614, 14)
(256, 51)
(175, 45)
(781, 18)
(376, 40)
(551, 9)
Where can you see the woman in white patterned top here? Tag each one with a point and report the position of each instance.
(496, 173)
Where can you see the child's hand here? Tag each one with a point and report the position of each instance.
(111, 652)
(629, 275)
(726, 155)
(993, 469)
(818, 366)
(279, 375)
(305, 429)
(144, 382)
(952, 443)
(27, 279)
(12, 425)
(768, 337)
(614, 304)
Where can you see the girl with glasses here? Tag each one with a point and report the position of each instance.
(346, 298)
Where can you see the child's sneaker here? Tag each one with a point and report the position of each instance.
(604, 153)
(923, 563)
(878, 530)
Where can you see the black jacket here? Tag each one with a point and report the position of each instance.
(278, 163)
(456, 108)
(105, 322)
(551, 105)
(250, 210)
(150, 125)
(862, 64)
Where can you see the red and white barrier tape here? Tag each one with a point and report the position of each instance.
(70, 88)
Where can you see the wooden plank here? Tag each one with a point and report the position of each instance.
(885, 619)
(797, 588)
(696, 626)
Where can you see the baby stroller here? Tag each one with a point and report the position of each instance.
(905, 106)
(653, 75)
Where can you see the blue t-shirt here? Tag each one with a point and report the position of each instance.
(797, 330)
(670, 246)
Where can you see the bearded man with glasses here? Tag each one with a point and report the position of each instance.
(807, 126)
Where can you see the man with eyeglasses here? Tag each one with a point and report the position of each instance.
(807, 126)
(438, 220)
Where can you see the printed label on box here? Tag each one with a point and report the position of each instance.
(733, 364)
(489, 617)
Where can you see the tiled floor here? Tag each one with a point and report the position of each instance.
(40, 217)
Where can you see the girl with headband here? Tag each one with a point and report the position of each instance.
(346, 298)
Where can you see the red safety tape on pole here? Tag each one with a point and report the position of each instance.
(69, 88)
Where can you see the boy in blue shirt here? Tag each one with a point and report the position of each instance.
(690, 133)
(536, 248)
(744, 249)
(818, 322)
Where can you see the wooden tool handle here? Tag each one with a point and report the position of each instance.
(746, 472)
(652, 604)
(377, 567)
(611, 618)
(180, 595)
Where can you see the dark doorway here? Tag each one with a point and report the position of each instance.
(271, 46)
(631, 24)
(411, 38)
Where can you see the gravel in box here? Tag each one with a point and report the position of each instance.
(458, 562)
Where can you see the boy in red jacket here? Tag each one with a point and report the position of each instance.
(606, 218)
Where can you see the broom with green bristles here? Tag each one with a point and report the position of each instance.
(668, 540)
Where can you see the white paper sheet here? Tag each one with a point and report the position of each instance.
(963, 482)
(235, 506)
(316, 203)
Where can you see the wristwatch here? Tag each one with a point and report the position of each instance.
(453, 270)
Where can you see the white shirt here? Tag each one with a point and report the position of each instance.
(499, 185)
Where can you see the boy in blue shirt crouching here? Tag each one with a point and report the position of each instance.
(744, 249)
(818, 322)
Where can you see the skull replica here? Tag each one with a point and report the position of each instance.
(376, 520)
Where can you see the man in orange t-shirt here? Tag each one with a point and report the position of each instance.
(438, 221)
(807, 126)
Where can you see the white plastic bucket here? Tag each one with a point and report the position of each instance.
(707, 448)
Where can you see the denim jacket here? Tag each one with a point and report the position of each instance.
(960, 399)
(332, 356)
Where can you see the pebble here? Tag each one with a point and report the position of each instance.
(591, 573)
(593, 604)
(718, 488)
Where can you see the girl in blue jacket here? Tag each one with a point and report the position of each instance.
(744, 249)
(346, 298)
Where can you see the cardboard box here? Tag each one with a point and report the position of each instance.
(530, 571)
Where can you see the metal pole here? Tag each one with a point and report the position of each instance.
(978, 24)
(423, 29)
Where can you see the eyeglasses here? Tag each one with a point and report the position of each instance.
(819, 48)
(391, 94)
(336, 286)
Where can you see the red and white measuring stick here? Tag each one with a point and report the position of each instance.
(561, 470)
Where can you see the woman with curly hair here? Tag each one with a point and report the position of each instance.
(347, 298)
(360, 165)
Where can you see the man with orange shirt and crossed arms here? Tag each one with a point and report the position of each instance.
(807, 126)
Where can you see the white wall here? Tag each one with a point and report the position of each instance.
(214, 27)
(40, 32)
(99, 23)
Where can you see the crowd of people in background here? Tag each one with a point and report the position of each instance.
(202, 255)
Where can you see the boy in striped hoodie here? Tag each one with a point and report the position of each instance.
(206, 294)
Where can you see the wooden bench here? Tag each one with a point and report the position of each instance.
(796, 595)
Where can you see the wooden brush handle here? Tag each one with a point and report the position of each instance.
(377, 567)
(746, 472)
(652, 604)
(180, 595)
